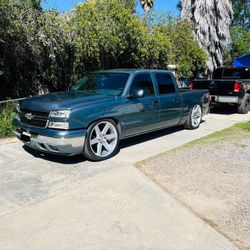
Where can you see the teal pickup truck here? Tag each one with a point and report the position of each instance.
(105, 107)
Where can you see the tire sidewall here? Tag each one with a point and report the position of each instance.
(189, 124)
(87, 151)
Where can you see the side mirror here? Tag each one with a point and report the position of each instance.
(136, 93)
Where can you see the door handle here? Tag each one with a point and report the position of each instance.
(156, 102)
(175, 99)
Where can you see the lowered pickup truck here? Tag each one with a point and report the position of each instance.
(104, 108)
(229, 85)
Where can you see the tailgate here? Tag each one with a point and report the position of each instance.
(222, 87)
(216, 87)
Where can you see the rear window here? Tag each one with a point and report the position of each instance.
(232, 73)
(165, 83)
(235, 73)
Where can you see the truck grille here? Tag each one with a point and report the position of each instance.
(33, 117)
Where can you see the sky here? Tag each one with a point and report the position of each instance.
(65, 5)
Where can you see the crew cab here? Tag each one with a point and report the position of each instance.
(105, 107)
(228, 85)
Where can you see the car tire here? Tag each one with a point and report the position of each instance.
(194, 118)
(245, 105)
(102, 140)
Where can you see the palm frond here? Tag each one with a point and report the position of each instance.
(147, 5)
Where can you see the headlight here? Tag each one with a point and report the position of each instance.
(60, 114)
(59, 125)
(18, 109)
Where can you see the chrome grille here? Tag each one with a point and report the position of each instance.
(33, 117)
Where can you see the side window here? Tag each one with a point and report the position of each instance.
(143, 81)
(165, 83)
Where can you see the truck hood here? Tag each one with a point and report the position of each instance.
(63, 100)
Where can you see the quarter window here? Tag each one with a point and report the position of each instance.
(143, 81)
(165, 83)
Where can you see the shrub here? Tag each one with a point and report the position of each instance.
(7, 114)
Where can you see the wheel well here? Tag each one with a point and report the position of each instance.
(116, 121)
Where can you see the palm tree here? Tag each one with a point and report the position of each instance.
(147, 5)
(211, 20)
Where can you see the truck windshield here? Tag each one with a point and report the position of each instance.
(102, 83)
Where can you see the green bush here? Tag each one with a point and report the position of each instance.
(7, 114)
(39, 47)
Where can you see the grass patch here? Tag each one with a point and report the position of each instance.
(7, 114)
(230, 135)
(245, 126)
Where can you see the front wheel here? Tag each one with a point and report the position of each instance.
(102, 140)
(194, 119)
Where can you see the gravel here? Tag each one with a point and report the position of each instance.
(212, 177)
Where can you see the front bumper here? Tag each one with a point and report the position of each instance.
(60, 142)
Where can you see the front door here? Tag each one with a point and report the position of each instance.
(170, 100)
(141, 114)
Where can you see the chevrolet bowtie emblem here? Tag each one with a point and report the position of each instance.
(29, 116)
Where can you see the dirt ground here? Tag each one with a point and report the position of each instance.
(211, 176)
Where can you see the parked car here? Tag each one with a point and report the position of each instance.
(106, 107)
(228, 85)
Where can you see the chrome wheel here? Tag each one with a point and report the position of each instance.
(103, 139)
(196, 116)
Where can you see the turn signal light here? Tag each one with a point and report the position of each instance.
(237, 86)
(191, 85)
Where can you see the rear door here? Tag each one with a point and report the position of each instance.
(170, 100)
(141, 114)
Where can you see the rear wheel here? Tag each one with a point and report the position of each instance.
(194, 119)
(102, 140)
(245, 105)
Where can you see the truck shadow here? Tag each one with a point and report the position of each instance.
(55, 158)
(124, 144)
(147, 137)
(224, 110)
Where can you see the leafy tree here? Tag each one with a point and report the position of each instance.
(241, 42)
(40, 47)
(240, 31)
(34, 49)
(130, 4)
(241, 13)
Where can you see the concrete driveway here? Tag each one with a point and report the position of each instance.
(51, 202)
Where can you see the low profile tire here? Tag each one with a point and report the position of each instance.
(245, 105)
(194, 119)
(102, 140)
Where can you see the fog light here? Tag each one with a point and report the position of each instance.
(59, 125)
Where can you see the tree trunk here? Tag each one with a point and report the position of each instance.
(211, 20)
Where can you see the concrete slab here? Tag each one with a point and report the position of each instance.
(121, 209)
(70, 203)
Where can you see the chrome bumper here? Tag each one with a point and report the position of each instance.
(61, 146)
(224, 99)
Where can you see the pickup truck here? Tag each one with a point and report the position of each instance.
(228, 85)
(105, 107)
